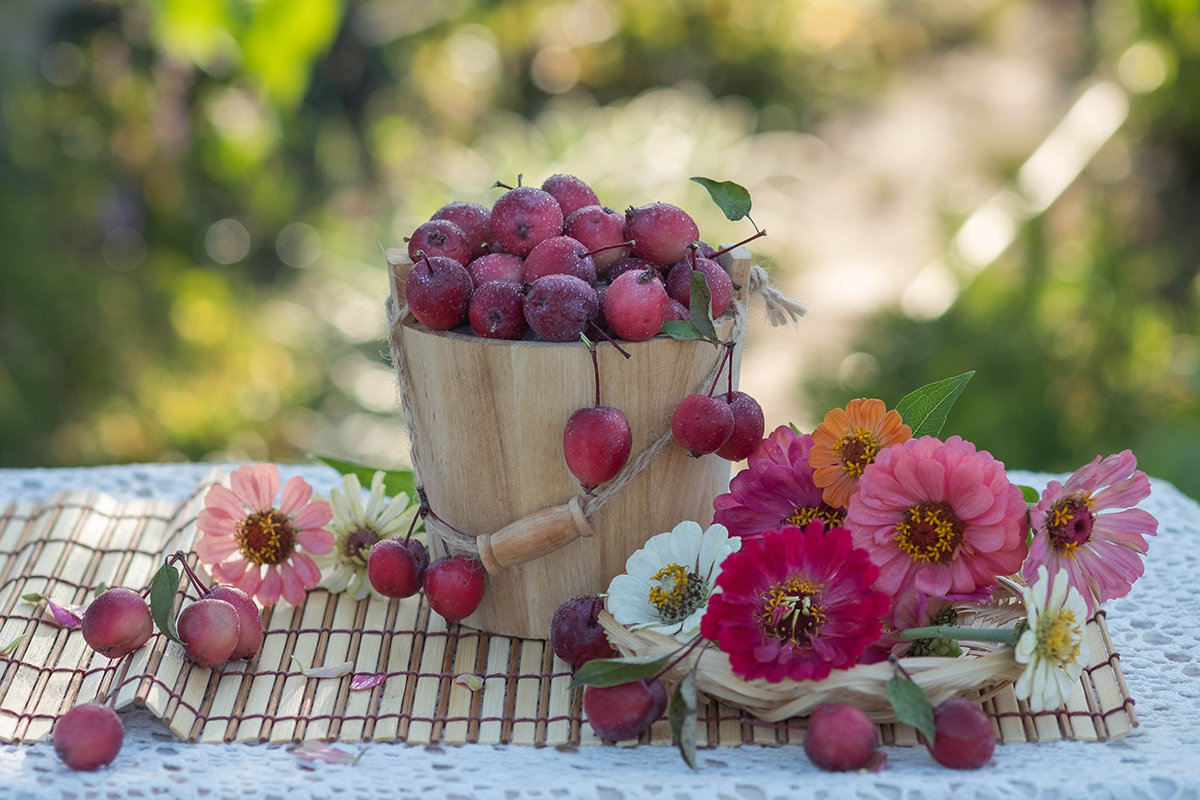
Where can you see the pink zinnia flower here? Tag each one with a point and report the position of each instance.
(249, 542)
(1101, 552)
(776, 488)
(795, 604)
(940, 518)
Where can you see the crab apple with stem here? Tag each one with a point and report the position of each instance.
(454, 586)
(623, 711)
(250, 630)
(635, 306)
(88, 737)
(576, 635)
(496, 267)
(602, 231)
(572, 193)
(396, 567)
(749, 425)
(117, 622)
(497, 310)
(631, 264)
(662, 232)
(440, 237)
(720, 285)
(560, 307)
(596, 439)
(524, 216)
(841, 738)
(701, 423)
(438, 291)
(559, 255)
(209, 631)
(475, 221)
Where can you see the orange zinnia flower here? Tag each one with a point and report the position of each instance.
(847, 441)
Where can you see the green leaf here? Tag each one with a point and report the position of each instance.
(615, 671)
(8, 649)
(1030, 494)
(33, 597)
(925, 410)
(395, 481)
(732, 199)
(681, 714)
(162, 600)
(700, 306)
(681, 329)
(911, 705)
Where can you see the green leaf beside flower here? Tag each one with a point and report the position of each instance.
(681, 714)
(733, 199)
(162, 600)
(395, 481)
(925, 410)
(911, 705)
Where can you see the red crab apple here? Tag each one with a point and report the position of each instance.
(841, 738)
(497, 310)
(454, 586)
(396, 567)
(250, 631)
(661, 232)
(559, 255)
(560, 307)
(576, 635)
(748, 426)
(496, 267)
(701, 424)
(88, 736)
(602, 231)
(524, 216)
(209, 631)
(440, 237)
(596, 444)
(623, 711)
(964, 738)
(635, 306)
(438, 291)
(720, 286)
(117, 622)
(570, 192)
(475, 221)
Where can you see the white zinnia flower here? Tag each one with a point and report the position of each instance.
(667, 583)
(1052, 646)
(356, 529)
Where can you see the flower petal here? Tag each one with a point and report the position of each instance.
(296, 492)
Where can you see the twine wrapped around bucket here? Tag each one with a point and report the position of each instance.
(982, 667)
(551, 528)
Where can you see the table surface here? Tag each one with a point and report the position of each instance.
(1153, 629)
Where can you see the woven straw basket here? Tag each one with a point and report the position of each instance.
(981, 670)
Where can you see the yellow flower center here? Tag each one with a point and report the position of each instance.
(831, 516)
(792, 611)
(929, 532)
(856, 449)
(1069, 523)
(265, 537)
(679, 592)
(1057, 638)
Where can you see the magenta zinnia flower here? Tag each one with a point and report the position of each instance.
(249, 542)
(940, 518)
(776, 488)
(795, 604)
(1101, 552)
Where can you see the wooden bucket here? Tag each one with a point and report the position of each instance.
(486, 418)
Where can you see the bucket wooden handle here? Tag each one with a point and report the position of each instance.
(533, 536)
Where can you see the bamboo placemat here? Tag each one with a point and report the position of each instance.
(66, 548)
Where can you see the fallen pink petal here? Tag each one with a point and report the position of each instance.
(366, 681)
(322, 753)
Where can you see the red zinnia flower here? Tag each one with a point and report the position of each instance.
(795, 604)
(776, 488)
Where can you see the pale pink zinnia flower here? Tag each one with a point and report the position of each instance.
(249, 542)
(775, 489)
(1089, 528)
(940, 518)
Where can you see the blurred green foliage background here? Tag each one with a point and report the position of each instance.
(194, 195)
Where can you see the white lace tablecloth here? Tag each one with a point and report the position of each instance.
(1156, 630)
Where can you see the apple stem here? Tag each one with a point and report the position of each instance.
(689, 647)
(629, 243)
(730, 345)
(724, 358)
(725, 250)
(181, 559)
(604, 335)
(422, 510)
